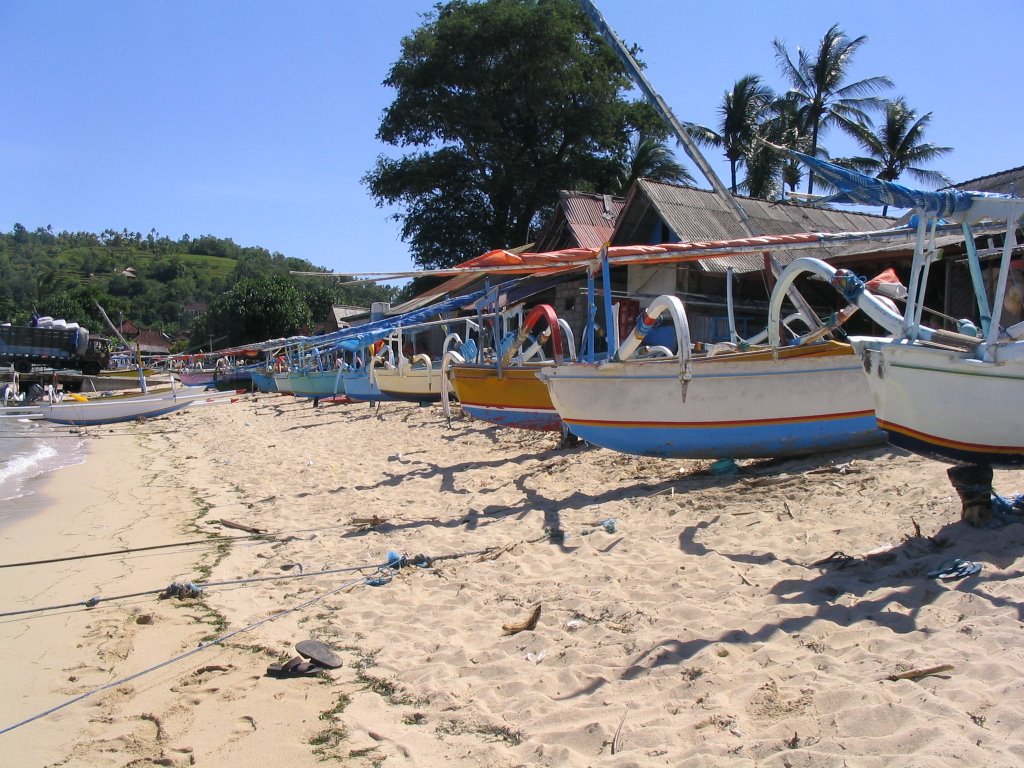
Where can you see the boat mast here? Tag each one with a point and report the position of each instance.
(689, 145)
(692, 151)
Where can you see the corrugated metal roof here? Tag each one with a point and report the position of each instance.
(698, 214)
(1009, 182)
(581, 220)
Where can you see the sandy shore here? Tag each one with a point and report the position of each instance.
(686, 619)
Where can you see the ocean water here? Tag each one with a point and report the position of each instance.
(28, 452)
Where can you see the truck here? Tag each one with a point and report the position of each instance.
(53, 347)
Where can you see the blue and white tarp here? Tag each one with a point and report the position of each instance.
(860, 189)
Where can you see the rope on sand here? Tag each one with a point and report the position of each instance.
(383, 575)
(395, 561)
(172, 589)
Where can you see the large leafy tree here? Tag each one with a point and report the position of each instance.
(819, 84)
(502, 104)
(255, 309)
(896, 147)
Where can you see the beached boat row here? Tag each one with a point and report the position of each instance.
(941, 393)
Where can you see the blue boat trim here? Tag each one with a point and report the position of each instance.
(738, 440)
(520, 418)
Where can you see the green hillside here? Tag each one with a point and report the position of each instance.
(149, 279)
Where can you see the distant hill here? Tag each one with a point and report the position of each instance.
(148, 279)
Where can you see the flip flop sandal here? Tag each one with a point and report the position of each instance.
(964, 569)
(294, 667)
(837, 558)
(946, 568)
(319, 652)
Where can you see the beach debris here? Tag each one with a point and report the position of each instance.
(319, 652)
(239, 526)
(529, 624)
(917, 674)
(536, 658)
(574, 624)
(618, 731)
(368, 522)
(180, 590)
(839, 469)
(724, 467)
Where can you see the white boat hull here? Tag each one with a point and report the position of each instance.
(736, 406)
(112, 410)
(283, 383)
(942, 404)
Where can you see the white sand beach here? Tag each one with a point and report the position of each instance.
(686, 618)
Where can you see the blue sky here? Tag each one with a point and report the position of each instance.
(256, 120)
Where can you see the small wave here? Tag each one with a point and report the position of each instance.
(23, 466)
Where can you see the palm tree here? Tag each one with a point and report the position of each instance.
(770, 170)
(897, 147)
(742, 111)
(650, 158)
(818, 84)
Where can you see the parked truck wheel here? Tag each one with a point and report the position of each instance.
(22, 367)
(91, 369)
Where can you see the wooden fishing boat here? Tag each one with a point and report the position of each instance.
(264, 381)
(282, 382)
(360, 386)
(80, 411)
(509, 397)
(316, 384)
(949, 395)
(196, 377)
(417, 380)
(791, 401)
(507, 391)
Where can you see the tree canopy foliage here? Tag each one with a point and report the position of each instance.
(255, 309)
(503, 103)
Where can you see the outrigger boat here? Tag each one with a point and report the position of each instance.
(83, 412)
(506, 390)
(264, 381)
(767, 402)
(359, 384)
(316, 384)
(942, 394)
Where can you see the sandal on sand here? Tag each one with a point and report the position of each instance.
(966, 568)
(294, 667)
(837, 558)
(320, 653)
(955, 569)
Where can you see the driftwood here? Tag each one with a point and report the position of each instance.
(240, 526)
(368, 522)
(523, 626)
(917, 674)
